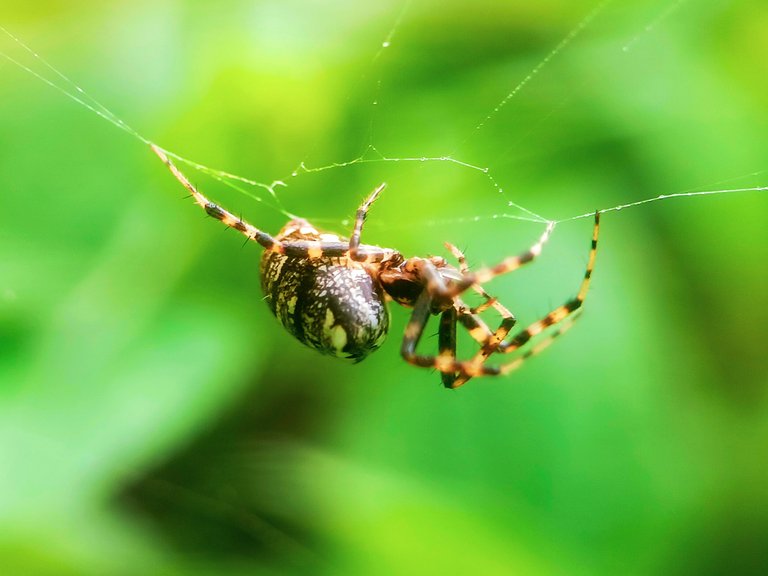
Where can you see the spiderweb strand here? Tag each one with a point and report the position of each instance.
(364, 158)
(653, 24)
(387, 42)
(83, 98)
(570, 37)
(666, 197)
(591, 214)
(371, 153)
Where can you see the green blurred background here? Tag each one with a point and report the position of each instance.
(154, 419)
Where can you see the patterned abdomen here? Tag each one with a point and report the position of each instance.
(330, 304)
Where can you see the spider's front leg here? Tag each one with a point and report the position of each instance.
(435, 297)
(566, 314)
(453, 371)
(446, 343)
(432, 287)
(508, 319)
(507, 265)
(454, 374)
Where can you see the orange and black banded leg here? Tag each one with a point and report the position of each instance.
(215, 211)
(507, 265)
(491, 341)
(451, 369)
(473, 324)
(303, 248)
(445, 362)
(567, 314)
(508, 319)
(479, 332)
(464, 269)
(540, 346)
(569, 311)
(488, 344)
(362, 211)
(475, 365)
(446, 337)
(330, 249)
(414, 330)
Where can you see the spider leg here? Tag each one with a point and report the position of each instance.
(488, 345)
(464, 269)
(362, 211)
(480, 332)
(414, 330)
(507, 265)
(541, 345)
(455, 372)
(445, 362)
(329, 249)
(300, 248)
(508, 320)
(434, 287)
(490, 301)
(568, 312)
(446, 338)
(561, 312)
(253, 233)
(477, 329)
(464, 376)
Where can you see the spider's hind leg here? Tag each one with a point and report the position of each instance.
(216, 211)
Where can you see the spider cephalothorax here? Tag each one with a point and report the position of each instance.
(331, 294)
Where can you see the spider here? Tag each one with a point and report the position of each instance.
(331, 293)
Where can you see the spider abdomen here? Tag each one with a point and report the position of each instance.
(330, 304)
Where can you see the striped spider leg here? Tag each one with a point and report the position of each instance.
(333, 247)
(455, 372)
(448, 284)
(488, 341)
